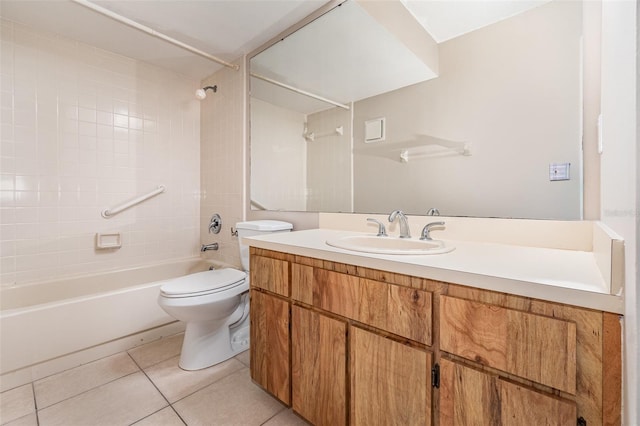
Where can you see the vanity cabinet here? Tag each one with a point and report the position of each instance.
(361, 346)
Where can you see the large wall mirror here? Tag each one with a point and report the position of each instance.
(376, 106)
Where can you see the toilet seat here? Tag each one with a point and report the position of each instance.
(203, 283)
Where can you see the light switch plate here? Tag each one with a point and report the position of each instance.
(559, 171)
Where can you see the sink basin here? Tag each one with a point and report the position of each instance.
(390, 245)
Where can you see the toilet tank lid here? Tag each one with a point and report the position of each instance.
(264, 225)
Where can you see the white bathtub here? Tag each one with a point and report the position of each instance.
(44, 322)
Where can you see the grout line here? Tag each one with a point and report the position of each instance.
(215, 381)
(155, 412)
(35, 403)
(276, 414)
(158, 389)
(89, 390)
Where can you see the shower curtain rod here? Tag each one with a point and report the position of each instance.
(106, 12)
(300, 91)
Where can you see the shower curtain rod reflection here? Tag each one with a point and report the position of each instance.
(300, 91)
(133, 24)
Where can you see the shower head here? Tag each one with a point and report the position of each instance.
(202, 93)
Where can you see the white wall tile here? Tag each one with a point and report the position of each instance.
(221, 161)
(80, 133)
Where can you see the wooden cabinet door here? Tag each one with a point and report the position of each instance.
(270, 344)
(470, 397)
(318, 367)
(390, 382)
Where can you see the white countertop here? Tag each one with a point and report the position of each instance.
(564, 276)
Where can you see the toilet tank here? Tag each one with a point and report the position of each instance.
(257, 227)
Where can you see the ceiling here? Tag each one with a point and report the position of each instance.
(227, 29)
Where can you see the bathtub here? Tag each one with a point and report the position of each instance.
(44, 322)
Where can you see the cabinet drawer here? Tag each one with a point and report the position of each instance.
(472, 397)
(302, 283)
(535, 347)
(399, 310)
(270, 274)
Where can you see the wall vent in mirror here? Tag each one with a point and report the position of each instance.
(374, 130)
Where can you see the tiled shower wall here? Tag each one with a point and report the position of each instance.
(222, 161)
(84, 129)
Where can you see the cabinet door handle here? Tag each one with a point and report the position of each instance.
(435, 376)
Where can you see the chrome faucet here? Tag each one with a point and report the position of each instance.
(427, 228)
(382, 232)
(404, 224)
(212, 246)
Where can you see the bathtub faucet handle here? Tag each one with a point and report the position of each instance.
(215, 224)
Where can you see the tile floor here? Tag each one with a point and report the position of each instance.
(144, 386)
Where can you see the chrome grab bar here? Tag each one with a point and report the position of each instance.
(107, 213)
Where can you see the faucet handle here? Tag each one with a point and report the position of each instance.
(427, 229)
(382, 232)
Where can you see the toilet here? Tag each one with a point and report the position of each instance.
(215, 305)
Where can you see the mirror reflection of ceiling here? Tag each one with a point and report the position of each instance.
(376, 46)
(445, 20)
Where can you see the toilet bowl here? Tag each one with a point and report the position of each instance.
(210, 303)
(215, 305)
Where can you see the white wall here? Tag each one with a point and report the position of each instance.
(519, 113)
(620, 169)
(279, 153)
(84, 129)
(329, 175)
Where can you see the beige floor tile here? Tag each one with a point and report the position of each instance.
(176, 383)
(67, 384)
(157, 351)
(16, 403)
(28, 420)
(286, 418)
(234, 400)
(120, 402)
(164, 417)
(244, 358)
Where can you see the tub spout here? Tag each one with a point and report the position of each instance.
(212, 246)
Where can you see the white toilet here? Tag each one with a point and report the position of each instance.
(215, 305)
